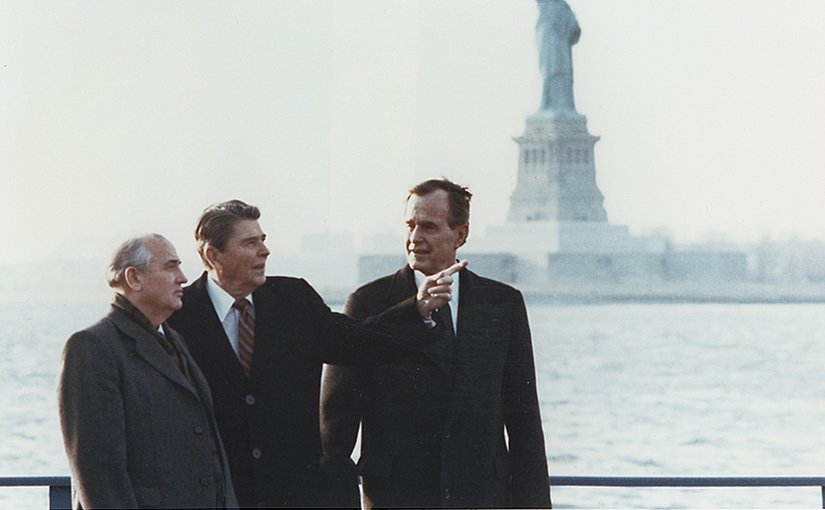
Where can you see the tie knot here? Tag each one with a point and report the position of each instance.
(241, 304)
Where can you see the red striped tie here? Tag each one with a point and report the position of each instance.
(246, 334)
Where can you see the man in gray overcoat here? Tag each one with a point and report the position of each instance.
(136, 413)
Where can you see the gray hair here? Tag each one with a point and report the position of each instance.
(133, 253)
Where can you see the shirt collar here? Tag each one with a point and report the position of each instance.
(221, 300)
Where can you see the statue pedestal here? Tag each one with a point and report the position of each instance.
(556, 171)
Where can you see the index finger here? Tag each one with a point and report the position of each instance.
(458, 266)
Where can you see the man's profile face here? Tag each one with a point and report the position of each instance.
(431, 243)
(241, 265)
(163, 279)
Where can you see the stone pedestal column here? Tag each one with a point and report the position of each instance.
(556, 172)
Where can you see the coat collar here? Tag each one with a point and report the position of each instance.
(148, 348)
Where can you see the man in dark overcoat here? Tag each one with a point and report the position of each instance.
(458, 426)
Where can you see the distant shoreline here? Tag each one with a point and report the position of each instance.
(747, 293)
(744, 293)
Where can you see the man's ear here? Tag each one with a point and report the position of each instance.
(132, 278)
(463, 233)
(213, 257)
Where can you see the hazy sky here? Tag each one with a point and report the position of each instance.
(118, 118)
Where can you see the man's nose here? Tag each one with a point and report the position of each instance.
(415, 234)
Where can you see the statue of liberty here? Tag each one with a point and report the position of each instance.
(557, 30)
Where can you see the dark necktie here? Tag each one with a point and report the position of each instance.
(445, 321)
(246, 334)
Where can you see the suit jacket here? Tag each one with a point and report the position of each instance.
(269, 420)
(433, 431)
(136, 431)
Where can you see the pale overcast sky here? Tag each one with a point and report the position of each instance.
(118, 118)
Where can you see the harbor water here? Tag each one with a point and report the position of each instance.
(626, 390)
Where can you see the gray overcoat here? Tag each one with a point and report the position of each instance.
(136, 431)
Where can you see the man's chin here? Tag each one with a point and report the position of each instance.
(421, 267)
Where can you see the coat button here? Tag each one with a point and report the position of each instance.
(250, 399)
(204, 482)
(446, 493)
(198, 430)
(257, 453)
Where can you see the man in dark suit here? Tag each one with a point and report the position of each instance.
(135, 410)
(433, 425)
(262, 341)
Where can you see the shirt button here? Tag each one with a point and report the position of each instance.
(204, 482)
(250, 399)
(257, 453)
(198, 430)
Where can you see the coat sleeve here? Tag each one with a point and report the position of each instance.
(343, 396)
(528, 461)
(363, 340)
(93, 424)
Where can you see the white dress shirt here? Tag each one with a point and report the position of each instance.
(419, 279)
(228, 314)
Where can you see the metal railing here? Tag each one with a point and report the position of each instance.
(60, 486)
(694, 482)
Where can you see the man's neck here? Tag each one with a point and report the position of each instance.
(236, 291)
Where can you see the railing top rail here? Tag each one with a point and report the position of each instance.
(689, 481)
(561, 480)
(35, 481)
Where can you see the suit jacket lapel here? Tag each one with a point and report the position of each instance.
(212, 338)
(474, 338)
(148, 348)
(401, 287)
(473, 314)
(196, 378)
(272, 320)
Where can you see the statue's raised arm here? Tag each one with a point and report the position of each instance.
(557, 30)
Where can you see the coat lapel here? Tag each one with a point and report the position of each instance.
(212, 339)
(271, 349)
(401, 287)
(148, 348)
(195, 375)
(475, 340)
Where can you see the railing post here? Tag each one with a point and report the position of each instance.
(60, 497)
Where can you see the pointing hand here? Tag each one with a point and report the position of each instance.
(435, 291)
